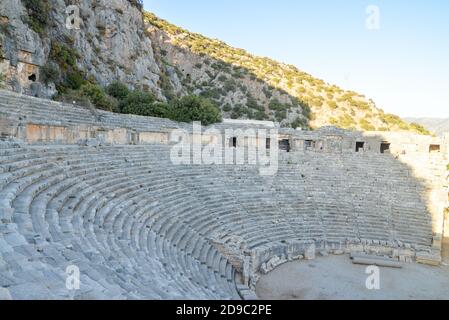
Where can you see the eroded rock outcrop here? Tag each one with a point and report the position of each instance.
(110, 44)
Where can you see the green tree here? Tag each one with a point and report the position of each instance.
(194, 108)
(98, 97)
(139, 103)
(118, 90)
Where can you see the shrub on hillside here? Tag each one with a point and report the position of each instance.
(38, 14)
(332, 105)
(227, 107)
(252, 103)
(2, 80)
(299, 123)
(229, 85)
(72, 80)
(49, 73)
(99, 98)
(366, 125)
(139, 103)
(222, 78)
(118, 90)
(194, 108)
(260, 115)
(275, 105)
(347, 122)
(267, 92)
(420, 129)
(66, 57)
(280, 115)
(74, 97)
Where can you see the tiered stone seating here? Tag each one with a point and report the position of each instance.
(77, 210)
(140, 227)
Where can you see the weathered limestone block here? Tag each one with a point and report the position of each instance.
(153, 137)
(117, 136)
(6, 214)
(433, 259)
(47, 133)
(310, 252)
(246, 270)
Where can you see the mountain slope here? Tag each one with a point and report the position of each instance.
(117, 41)
(436, 125)
(247, 86)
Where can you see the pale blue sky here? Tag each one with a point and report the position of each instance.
(403, 66)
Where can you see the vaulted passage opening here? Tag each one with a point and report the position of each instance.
(434, 148)
(385, 147)
(359, 146)
(284, 145)
(233, 142)
(309, 144)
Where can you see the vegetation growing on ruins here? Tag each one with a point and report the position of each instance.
(140, 103)
(2, 80)
(314, 102)
(49, 73)
(117, 97)
(66, 59)
(99, 97)
(118, 90)
(185, 109)
(194, 108)
(38, 14)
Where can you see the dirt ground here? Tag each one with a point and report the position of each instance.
(336, 278)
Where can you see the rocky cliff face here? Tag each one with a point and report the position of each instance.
(110, 45)
(42, 54)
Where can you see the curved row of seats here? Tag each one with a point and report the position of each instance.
(138, 226)
(111, 215)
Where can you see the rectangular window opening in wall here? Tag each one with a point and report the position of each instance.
(434, 148)
(268, 144)
(385, 147)
(233, 142)
(359, 146)
(284, 145)
(309, 144)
